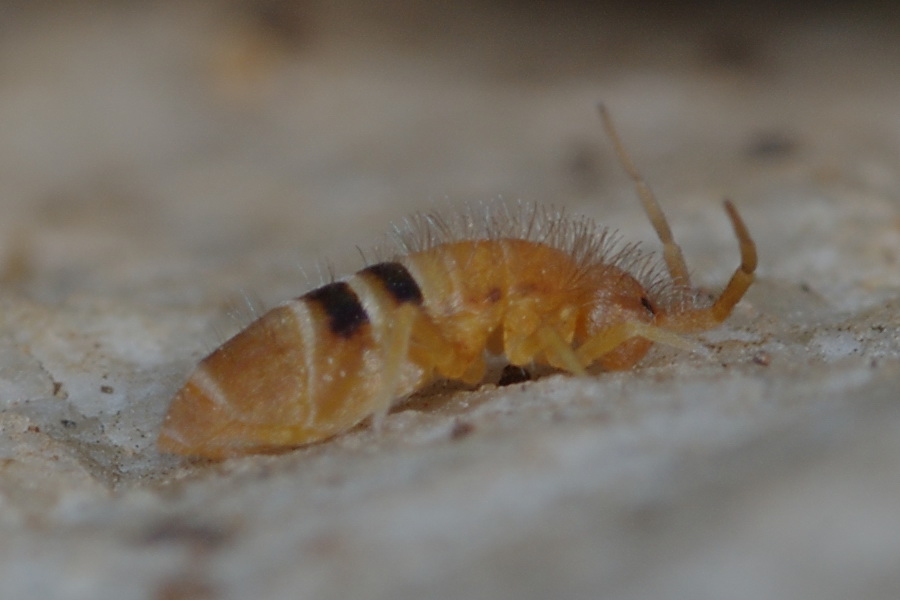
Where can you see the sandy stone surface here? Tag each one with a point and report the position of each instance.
(161, 162)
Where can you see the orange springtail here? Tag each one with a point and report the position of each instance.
(533, 286)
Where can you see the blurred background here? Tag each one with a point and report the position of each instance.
(219, 129)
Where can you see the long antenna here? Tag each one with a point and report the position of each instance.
(671, 251)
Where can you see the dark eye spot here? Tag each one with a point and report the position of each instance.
(645, 302)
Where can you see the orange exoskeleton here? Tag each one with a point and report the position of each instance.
(531, 285)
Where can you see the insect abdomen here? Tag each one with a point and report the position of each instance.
(301, 372)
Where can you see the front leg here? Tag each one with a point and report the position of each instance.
(610, 338)
(546, 340)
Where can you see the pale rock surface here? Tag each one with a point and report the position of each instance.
(160, 160)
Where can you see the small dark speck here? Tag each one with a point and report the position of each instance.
(68, 424)
(107, 389)
(461, 429)
(733, 50)
(512, 374)
(770, 145)
(648, 518)
(582, 166)
(762, 358)
(185, 588)
(180, 532)
(283, 21)
(57, 387)
(324, 544)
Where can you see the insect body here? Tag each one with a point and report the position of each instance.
(535, 288)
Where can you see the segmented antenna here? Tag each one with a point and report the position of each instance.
(671, 251)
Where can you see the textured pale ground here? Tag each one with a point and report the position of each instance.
(157, 160)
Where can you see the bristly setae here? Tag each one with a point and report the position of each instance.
(530, 284)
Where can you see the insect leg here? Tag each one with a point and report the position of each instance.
(475, 372)
(559, 354)
(671, 251)
(612, 337)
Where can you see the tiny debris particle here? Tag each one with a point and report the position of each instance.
(762, 358)
(732, 50)
(185, 588)
(68, 424)
(175, 531)
(461, 429)
(771, 145)
(107, 389)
